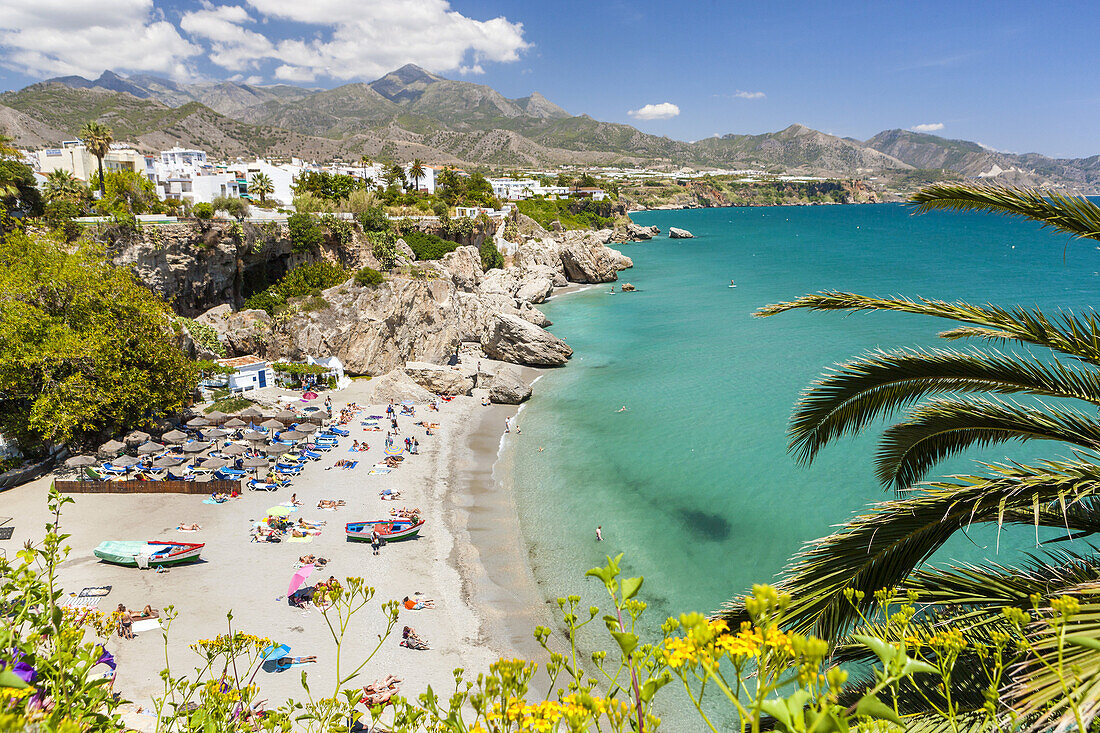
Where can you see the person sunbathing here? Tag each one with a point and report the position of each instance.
(410, 640)
(303, 524)
(146, 613)
(391, 682)
(188, 527)
(294, 500)
(413, 513)
(389, 495)
(288, 662)
(418, 604)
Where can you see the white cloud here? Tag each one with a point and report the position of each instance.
(339, 39)
(57, 37)
(927, 127)
(662, 111)
(749, 95)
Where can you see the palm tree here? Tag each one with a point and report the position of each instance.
(61, 184)
(261, 184)
(365, 161)
(9, 185)
(416, 172)
(97, 139)
(952, 399)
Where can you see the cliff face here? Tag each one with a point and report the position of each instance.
(423, 311)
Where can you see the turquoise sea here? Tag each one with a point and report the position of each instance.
(693, 481)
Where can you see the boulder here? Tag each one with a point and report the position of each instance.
(464, 264)
(628, 288)
(675, 233)
(438, 379)
(535, 289)
(241, 332)
(588, 260)
(639, 233)
(507, 387)
(517, 341)
(398, 386)
(405, 250)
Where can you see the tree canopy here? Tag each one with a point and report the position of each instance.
(84, 349)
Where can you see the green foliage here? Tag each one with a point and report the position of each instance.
(428, 246)
(229, 405)
(572, 213)
(342, 229)
(328, 186)
(315, 303)
(374, 219)
(202, 211)
(59, 214)
(18, 191)
(369, 277)
(127, 192)
(440, 209)
(301, 281)
(83, 347)
(460, 227)
(307, 203)
(491, 258)
(299, 370)
(235, 207)
(384, 248)
(305, 232)
(61, 184)
(203, 335)
(262, 185)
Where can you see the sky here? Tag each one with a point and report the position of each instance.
(1015, 76)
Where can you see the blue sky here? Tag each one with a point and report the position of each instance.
(1012, 75)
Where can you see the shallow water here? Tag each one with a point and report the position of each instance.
(693, 481)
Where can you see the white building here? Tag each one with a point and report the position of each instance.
(335, 369)
(249, 372)
(282, 177)
(74, 157)
(184, 158)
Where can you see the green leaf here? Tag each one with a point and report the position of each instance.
(885, 652)
(913, 666)
(627, 642)
(601, 573)
(871, 707)
(631, 586)
(1086, 641)
(650, 688)
(778, 710)
(11, 679)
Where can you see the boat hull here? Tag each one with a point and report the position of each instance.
(390, 531)
(159, 553)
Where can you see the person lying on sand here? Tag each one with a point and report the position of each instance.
(312, 560)
(330, 503)
(410, 640)
(188, 527)
(405, 512)
(419, 604)
(146, 613)
(389, 495)
(294, 500)
(303, 524)
(287, 662)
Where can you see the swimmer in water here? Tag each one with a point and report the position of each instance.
(621, 409)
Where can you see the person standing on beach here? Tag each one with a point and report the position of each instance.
(599, 533)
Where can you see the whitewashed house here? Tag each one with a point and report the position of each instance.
(249, 372)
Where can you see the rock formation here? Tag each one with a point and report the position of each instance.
(398, 386)
(518, 341)
(242, 332)
(639, 233)
(506, 387)
(439, 379)
(676, 233)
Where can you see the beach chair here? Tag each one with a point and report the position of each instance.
(110, 470)
(255, 485)
(288, 471)
(181, 477)
(329, 439)
(338, 431)
(229, 474)
(93, 474)
(6, 531)
(319, 447)
(311, 455)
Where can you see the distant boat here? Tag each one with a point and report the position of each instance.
(135, 553)
(387, 529)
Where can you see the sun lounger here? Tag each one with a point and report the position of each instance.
(320, 446)
(338, 431)
(110, 470)
(229, 474)
(288, 471)
(262, 486)
(311, 455)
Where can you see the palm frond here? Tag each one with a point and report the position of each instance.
(944, 427)
(851, 396)
(881, 547)
(1073, 215)
(1078, 336)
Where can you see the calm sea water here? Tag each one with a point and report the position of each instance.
(693, 481)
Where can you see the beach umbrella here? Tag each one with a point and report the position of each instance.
(214, 433)
(215, 463)
(195, 446)
(252, 411)
(167, 462)
(278, 511)
(286, 415)
(254, 437)
(395, 450)
(276, 449)
(216, 416)
(309, 395)
(111, 447)
(273, 652)
(235, 422)
(174, 436)
(307, 428)
(136, 438)
(125, 461)
(291, 435)
(256, 462)
(299, 578)
(234, 449)
(150, 448)
(81, 461)
(271, 424)
(198, 422)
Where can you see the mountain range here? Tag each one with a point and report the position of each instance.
(411, 112)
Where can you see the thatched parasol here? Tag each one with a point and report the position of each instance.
(291, 435)
(150, 448)
(137, 437)
(235, 422)
(256, 462)
(111, 448)
(167, 462)
(216, 416)
(126, 461)
(195, 446)
(276, 449)
(174, 436)
(251, 412)
(271, 424)
(198, 422)
(253, 436)
(233, 449)
(81, 461)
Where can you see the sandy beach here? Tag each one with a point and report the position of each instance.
(469, 558)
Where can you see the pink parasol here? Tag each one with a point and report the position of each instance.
(298, 578)
(309, 396)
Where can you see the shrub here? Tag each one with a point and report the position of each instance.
(428, 246)
(572, 213)
(369, 277)
(374, 219)
(440, 209)
(203, 335)
(237, 208)
(315, 303)
(305, 232)
(203, 211)
(491, 258)
(303, 280)
(384, 248)
(60, 213)
(340, 228)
